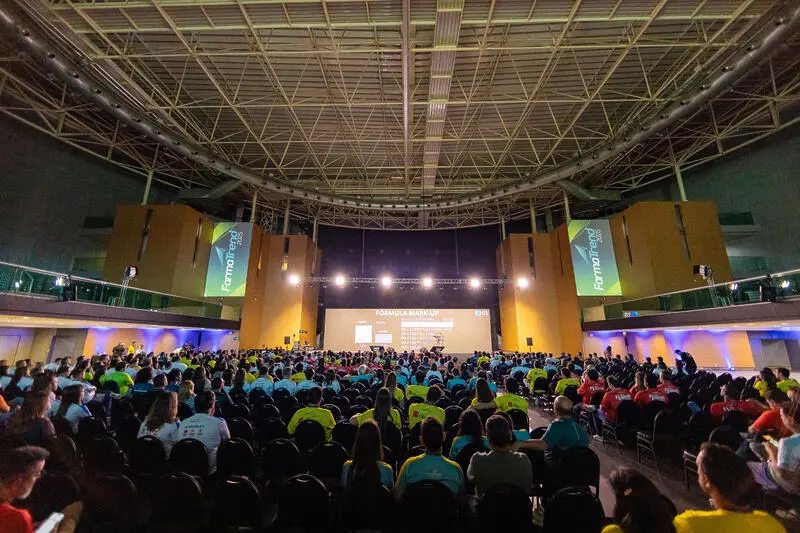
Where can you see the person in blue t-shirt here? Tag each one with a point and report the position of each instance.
(431, 465)
(308, 382)
(460, 379)
(282, 383)
(562, 434)
(433, 373)
(470, 431)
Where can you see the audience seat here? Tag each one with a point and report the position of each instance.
(573, 510)
(308, 434)
(368, 507)
(505, 508)
(241, 428)
(236, 457)
(304, 503)
(664, 434)
(190, 456)
(627, 416)
(185, 507)
(63, 455)
(281, 458)
(236, 503)
(345, 434)
(147, 456)
(429, 506)
(326, 461)
(53, 491)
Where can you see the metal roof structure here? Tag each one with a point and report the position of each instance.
(403, 114)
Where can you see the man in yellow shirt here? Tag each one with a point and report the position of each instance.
(566, 381)
(785, 381)
(417, 412)
(511, 399)
(299, 375)
(314, 412)
(534, 374)
(418, 389)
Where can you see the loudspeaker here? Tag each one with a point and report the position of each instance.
(529, 341)
(287, 340)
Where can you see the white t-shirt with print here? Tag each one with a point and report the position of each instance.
(209, 430)
(167, 433)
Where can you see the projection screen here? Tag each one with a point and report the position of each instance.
(458, 330)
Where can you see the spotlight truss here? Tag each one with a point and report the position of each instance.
(407, 281)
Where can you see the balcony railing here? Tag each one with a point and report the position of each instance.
(743, 291)
(19, 279)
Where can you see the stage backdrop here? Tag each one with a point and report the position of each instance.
(227, 264)
(458, 330)
(593, 258)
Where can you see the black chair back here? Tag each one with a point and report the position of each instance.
(334, 409)
(270, 429)
(308, 434)
(503, 508)
(540, 385)
(649, 413)
(185, 494)
(431, 502)
(241, 428)
(110, 504)
(190, 456)
(520, 419)
(236, 457)
(737, 420)
(147, 456)
(699, 428)
(237, 410)
(580, 467)
(327, 459)
(451, 415)
(63, 454)
(596, 398)
(345, 434)
(727, 436)
(560, 514)
(281, 459)
(303, 502)
(627, 413)
(102, 454)
(571, 392)
(128, 432)
(62, 426)
(266, 410)
(236, 503)
(368, 507)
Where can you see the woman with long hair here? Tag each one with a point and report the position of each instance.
(19, 381)
(142, 382)
(201, 382)
(162, 420)
(186, 393)
(330, 382)
(470, 431)
(640, 507)
(31, 422)
(239, 383)
(382, 413)
(71, 407)
(766, 380)
(396, 392)
(367, 465)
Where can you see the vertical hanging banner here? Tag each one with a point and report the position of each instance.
(593, 258)
(230, 255)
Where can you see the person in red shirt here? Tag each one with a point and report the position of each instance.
(770, 422)
(731, 394)
(666, 386)
(19, 470)
(591, 384)
(651, 394)
(612, 399)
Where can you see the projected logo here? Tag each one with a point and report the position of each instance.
(227, 264)
(593, 258)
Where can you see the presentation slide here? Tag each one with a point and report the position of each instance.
(227, 264)
(458, 330)
(593, 258)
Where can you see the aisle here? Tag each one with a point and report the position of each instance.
(671, 486)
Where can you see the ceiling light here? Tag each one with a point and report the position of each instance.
(386, 282)
(427, 282)
(523, 282)
(475, 283)
(294, 279)
(339, 280)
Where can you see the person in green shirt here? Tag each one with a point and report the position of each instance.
(119, 377)
(381, 413)
(314, 412)
(511, 399)
(785, 381)
(418, 389)
(566, 381)
(417, 412)
(534, 374)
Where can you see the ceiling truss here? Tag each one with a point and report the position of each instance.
(413, 103)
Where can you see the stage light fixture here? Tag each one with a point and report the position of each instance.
(785, 284)
(386, 282)
(427, 282)
(294, 279)
(59, 281)
(339, 280)
(523, 283)
(475, 283)
(734, 286)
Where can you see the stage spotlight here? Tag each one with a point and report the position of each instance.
(339, 280)
(386, 282)
(734, 286)
(294, 279)
(523, 283)
(427, 282)
(475, 283)
(785, 284)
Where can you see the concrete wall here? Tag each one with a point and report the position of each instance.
(48, 188)
(762, 179)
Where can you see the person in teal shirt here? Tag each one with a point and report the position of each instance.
(367, 464)
(470, 431)
(431, 465)
(562, 434)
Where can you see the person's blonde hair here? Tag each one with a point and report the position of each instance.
(186, 390)
(163, 411)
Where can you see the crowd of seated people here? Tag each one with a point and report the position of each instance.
(416, 418)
